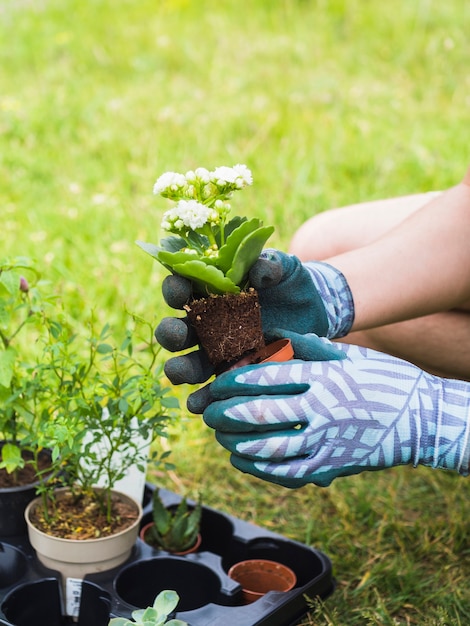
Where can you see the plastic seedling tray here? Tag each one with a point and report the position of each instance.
(32, 594)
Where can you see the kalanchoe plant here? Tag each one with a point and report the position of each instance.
(214, 252)
(174, 529)
(157, 615)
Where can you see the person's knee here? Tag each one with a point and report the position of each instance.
(320, 237)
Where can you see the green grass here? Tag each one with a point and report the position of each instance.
(329, 103)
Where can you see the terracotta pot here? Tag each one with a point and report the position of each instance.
(193, 548)
(258, 576)
(280, 350)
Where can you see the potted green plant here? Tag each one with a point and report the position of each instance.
(156, 615)
(175, 529)
(215, 254)
(97, 399)
(25, 303)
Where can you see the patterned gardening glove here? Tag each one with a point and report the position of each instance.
(302, 298)
(310, 422)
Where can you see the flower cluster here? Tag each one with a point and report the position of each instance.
(214, 253)
(201, 196)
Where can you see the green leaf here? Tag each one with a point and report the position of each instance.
(149, 248)
(170, 259)
(228, 251)
(7, 363)
(11, 281)
(173, 243)
(104, 348)
(247, 254)
(166, 602)
(119, 621)
(206, 278)
(11, 458)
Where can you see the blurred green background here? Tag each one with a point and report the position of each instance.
(328, 102)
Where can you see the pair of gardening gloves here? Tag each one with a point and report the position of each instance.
(336, 409)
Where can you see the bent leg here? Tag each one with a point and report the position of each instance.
(340, 230)
(438, 343)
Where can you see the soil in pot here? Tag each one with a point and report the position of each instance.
(82, 518)
(17, 489)
(228, 326)
(26, 475)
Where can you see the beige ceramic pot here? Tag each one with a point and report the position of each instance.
(75, 558)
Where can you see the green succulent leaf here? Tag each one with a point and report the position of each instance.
(150, 248)
(206, 278)
(244, 246)
(170, 259)
(166, 602)
(229, 227)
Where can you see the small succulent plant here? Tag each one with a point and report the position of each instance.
(174, 529)
(155, 615)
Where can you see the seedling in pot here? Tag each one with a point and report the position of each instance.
(174, 529)
(157, 615)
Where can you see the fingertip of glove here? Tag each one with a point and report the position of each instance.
(266, 272)
(198, 401)
(176, 291)
(172, 333)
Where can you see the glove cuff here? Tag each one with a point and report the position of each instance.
(445, 425)
(336, 296)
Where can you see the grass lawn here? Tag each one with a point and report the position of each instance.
(329, 102)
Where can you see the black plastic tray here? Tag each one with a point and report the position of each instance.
(32, 594)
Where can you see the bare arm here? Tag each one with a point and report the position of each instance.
(420, 267)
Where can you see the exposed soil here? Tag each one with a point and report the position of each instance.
(24, 476)
(228, 326)
(83, 518)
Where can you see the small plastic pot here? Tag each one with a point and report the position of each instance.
(258, 576)
(280, 350)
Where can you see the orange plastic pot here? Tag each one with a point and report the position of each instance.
(280, 350)
(258, 576)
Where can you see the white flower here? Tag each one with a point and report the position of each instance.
(203, 174)
(187, 213)
(239, 176)
(169, 181)
(223, 175)
(244, 173)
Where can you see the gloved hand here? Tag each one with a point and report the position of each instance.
(310, 422)
(303, 298)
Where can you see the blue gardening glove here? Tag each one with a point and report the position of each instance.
(310, 422)
(311, 297)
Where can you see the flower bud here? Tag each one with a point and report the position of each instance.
(24, 286)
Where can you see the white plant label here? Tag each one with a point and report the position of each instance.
(73, 594)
